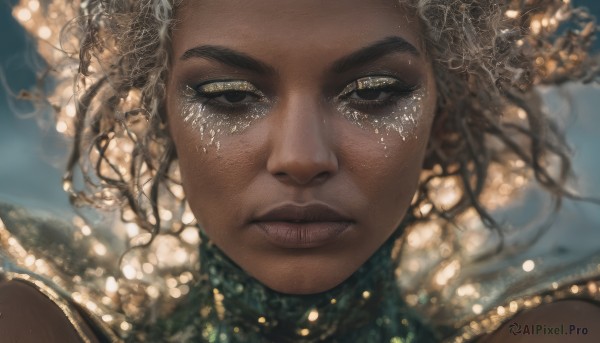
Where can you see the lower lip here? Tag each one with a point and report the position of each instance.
(302, 235)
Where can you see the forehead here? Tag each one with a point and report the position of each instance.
(292, 24)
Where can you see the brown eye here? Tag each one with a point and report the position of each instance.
(231, 98)
(371, 94)
(375, 90)
(229, 93)
(234, 97)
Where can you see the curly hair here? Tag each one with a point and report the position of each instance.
(488, 57)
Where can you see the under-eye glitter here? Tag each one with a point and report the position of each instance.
(401, 118)
(206, 117)
(204, 112)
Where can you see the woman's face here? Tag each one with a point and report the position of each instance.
(300, 128)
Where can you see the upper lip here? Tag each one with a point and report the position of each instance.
(312, 212)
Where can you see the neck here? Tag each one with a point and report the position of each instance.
(244, 302)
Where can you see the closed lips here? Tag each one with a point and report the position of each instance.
(314, 212)
(302, 226)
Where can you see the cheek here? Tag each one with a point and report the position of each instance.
(386, 164)
(402, 119)
(213, 180)
(194, 164)
(395, 174)
(390, 183)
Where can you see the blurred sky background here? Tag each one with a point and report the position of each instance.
(31, 159)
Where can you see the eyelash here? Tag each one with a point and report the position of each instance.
(398, 89)
(209, 98)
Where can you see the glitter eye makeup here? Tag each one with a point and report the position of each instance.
(384, 103)
(377, 83)
(217, 107)
(228, 93)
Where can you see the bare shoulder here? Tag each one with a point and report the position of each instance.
(27, 315)
(563, 321)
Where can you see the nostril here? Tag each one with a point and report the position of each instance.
(322, 176)
(317, 179)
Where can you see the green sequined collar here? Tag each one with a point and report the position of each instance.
(367, 303)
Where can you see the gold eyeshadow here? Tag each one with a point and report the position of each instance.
(222, 86)
(370, 82)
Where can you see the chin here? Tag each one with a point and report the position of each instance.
(302, 283)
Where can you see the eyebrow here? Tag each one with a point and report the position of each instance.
(229, 57)
(386, 46)
(236, 59)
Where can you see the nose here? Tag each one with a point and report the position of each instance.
(301, 143)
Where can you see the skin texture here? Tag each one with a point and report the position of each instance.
(302, 148)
